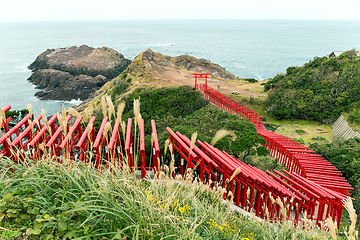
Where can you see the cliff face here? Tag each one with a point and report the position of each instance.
(75, 72)
(64, 86)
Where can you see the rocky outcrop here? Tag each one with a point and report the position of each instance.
(61, 85)
(75, 72)
(186, 62)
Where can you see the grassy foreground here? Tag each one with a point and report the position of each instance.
(49, 200)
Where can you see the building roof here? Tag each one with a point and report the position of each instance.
(338, 53)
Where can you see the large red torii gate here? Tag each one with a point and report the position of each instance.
(200, 75)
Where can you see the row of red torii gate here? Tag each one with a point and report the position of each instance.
(311, 188)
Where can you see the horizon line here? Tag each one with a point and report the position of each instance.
(182, 19)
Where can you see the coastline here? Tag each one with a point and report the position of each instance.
(244, 47)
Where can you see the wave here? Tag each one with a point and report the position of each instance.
(238, 65)
(252, 71)
(21, 69)
(24, 68)
(73, 102)
(10, 72)
(167, 44)
(76, 101)
(260, 78)
(164, 44)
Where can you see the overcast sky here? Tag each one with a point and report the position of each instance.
(44, 10)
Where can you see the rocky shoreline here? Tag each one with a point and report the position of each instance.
(79, 72)
(75, 72)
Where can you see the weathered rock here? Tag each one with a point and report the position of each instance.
(75, 72)
(60, 85)
(82, 60)
(185, 62)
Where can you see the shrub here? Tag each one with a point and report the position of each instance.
(252, 80)
(300, 131)
(344, 155)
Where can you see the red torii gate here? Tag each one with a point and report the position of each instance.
(47, 138)
(200, 75)
(296, 157)
(307, 169)
(315, 194)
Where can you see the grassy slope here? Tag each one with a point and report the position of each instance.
(49, 200)
(319, 90)
(286, 127)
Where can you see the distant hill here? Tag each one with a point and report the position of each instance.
(319, 90)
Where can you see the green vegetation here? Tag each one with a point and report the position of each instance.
(300, 131)
(300, 140)
(320, 90)
(16, 116)
(162, 102)
(252, 80)
(354, 115)
(320, 139)
(345, 155)
(185, 110)
(119, 89)
(50, 200)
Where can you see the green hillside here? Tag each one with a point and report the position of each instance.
(185, 110)
(319, 90)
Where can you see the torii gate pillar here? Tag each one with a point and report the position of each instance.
(200, 75)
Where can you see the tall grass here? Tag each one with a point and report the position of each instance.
(52, 200)
(63, 199)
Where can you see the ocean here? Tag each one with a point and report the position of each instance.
(257, 49)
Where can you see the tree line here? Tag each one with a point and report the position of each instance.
(321, 89)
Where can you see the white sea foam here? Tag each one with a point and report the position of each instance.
(238, 65)
(73, 102)
(76, 101)
(166, 44)
(260, 78)
(17, 69)
(11, 72)
(24, 68)
(33, 98)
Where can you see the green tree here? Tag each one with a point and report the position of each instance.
(321, 89)
(344, 155)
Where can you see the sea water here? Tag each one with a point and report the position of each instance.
(257, 49)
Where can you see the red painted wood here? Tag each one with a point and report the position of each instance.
(142, 149)
(156, 149)
(129, 145)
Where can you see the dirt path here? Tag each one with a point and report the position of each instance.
(179, 77)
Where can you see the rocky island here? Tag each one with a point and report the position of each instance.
(75, 72)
